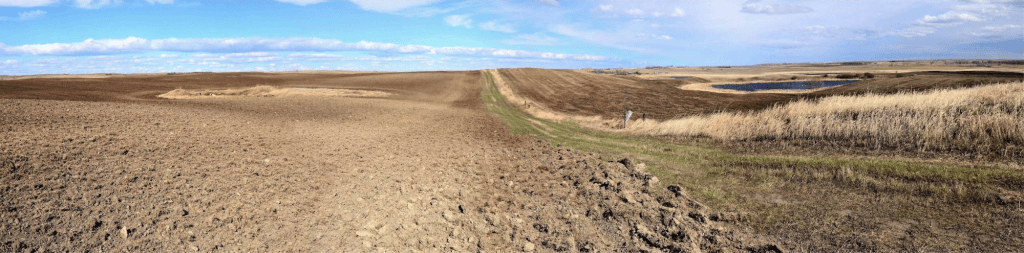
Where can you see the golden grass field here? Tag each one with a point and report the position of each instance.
(978, 121)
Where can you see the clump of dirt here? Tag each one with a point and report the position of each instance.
(269, 91)
(579, 203)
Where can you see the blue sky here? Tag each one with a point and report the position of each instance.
(94, 36)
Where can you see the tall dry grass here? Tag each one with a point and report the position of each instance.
(985, 120)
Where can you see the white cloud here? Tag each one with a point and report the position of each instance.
(618, 39)
(914, 32)
(89, 46)
(459, 20)
(635, 12)
(755, 7)
(998, 32)
(302, 2)
(492, 26)
(1000, 28)
(532, 39)
(266, 61)
(782, 43)
(816, 29)
(30, 14)
(678, 13)
(948, 18)
(605, 7)
(1010, 3)
(385, 5)
(665, 37)
(257, 47)
(833, 32)
(160, 1)
(93, 4)
(25, 15)
(551, 2)
(27, 3)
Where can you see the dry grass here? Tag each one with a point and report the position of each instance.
(268, 91)
(814, 204)
(984, 120)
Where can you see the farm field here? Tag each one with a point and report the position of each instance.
(824, 193)
(105, 165)
(760, 126)
(493, 160)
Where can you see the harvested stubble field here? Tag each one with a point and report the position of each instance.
(609, 96)
(810, 195)
(105, 165)
(585, 94)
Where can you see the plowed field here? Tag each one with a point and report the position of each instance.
(104, 165)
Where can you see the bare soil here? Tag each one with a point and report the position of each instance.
(268, 91)
(102, 164)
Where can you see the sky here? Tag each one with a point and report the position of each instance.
(146, 36)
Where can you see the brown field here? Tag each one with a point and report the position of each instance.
(609, 96)
(585, 94)
(878, 165)
(444, 161)
(105, 165)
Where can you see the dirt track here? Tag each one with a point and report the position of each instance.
(100, 165)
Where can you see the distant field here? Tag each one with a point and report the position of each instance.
(609, 96)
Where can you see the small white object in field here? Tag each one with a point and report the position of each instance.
(625, 121)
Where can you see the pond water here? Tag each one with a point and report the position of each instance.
(679, 77)
(782, 86)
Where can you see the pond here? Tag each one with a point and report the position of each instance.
(679, 77)
(782, 86)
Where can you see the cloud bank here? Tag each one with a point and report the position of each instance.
(387, 5)
(755, 7)
(26, 15)
(261, 44)
(26, 3)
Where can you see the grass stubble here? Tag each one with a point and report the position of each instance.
(819, 203)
